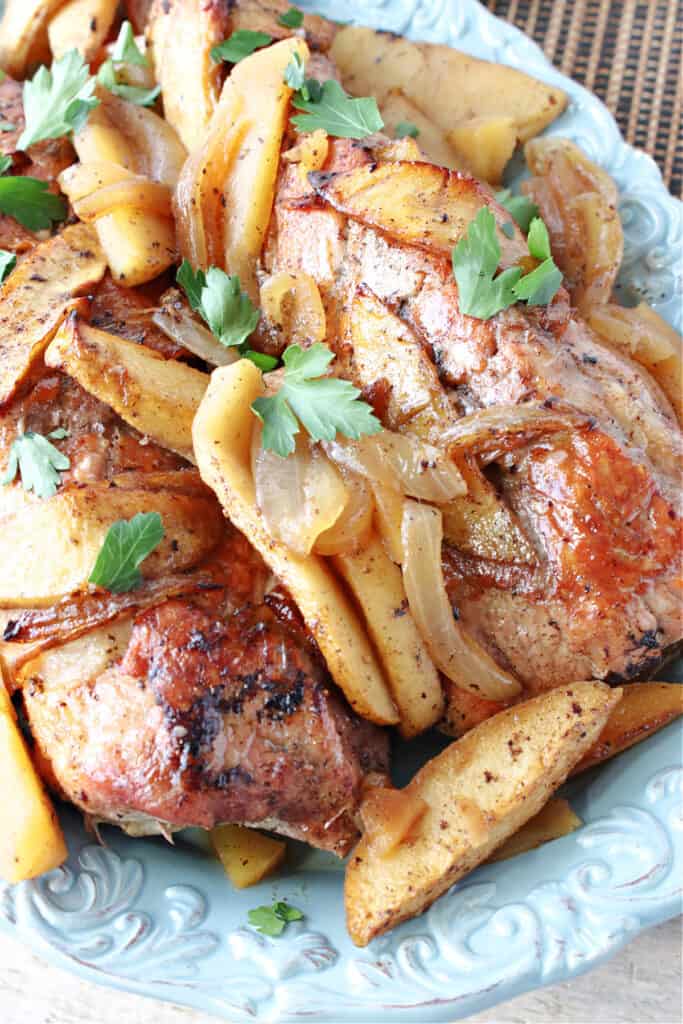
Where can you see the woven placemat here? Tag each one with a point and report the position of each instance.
(627, 53)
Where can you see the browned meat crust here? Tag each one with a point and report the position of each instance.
(206, 721)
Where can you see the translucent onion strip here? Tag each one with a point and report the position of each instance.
(403, 463)
(453, 651)
(301, 496)
(500, 428)
(178, 324)
(353, 527)
(135, 192)
(389, 520)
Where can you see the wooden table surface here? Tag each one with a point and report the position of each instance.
(641, 984)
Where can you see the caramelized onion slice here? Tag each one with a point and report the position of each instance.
(402, 463)
(389, 519)
(292, 301)
(353, 527)
(136, 192)
(301, 496)
(178, 324)
(453, 651)
(489, 432)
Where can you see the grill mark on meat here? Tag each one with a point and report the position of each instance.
(208, 719)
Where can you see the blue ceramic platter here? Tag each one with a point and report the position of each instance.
(165, 922)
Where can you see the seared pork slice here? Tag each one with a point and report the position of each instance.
(206, 719)
(599, 506)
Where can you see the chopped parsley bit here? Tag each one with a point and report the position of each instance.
(521, 209)
(228, 311)
(330, 108)
(239, 45)
(295, 76)
(28, 200)
(264, 362)
(293, 18)
(406, 129)
(127, 544)
(7, 263)
(37, 461)
(126, 50)
(108, 77)
(274, 919)
(475, 261)
(508, 229)
(325, 406)
(57, 101)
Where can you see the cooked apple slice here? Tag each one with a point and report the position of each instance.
(485, 144)
(31, 839)
(246, 855)
(449, 86)
(222, 434)
(553, 821)
(223, 204)
(417, 204)
(49, 548)
(82, 25)
(38, 295)
(396, 108)
(182, 35)
(643, 709)
(478, 791)
(157, 396)
(378, 587)
(378, 346)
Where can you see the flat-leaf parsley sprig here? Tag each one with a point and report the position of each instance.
(127, 544)
(126, 51)
(521, 208)
(274, 919)
(326, 106)
(37, 461)
(228, 312)
(239, 45)
(325, 406)
(57, 101)
(28, 200)
(481, 291)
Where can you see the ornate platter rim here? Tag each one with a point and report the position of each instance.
(141, 916)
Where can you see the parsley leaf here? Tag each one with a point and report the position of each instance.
(475, 262)
(192, 282)
(57, 101)
(264, 362)
(38, 462)
(126, 50)
(295, 76)
(218, 298)
(30, 202)
(293, 18)
(337, 113)
(142, 97)
(127, 544)
(239, 45)
(324, 406)
(7, 263)
(273, 920)
(521, 209)
(538, 240)
(406, 128)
